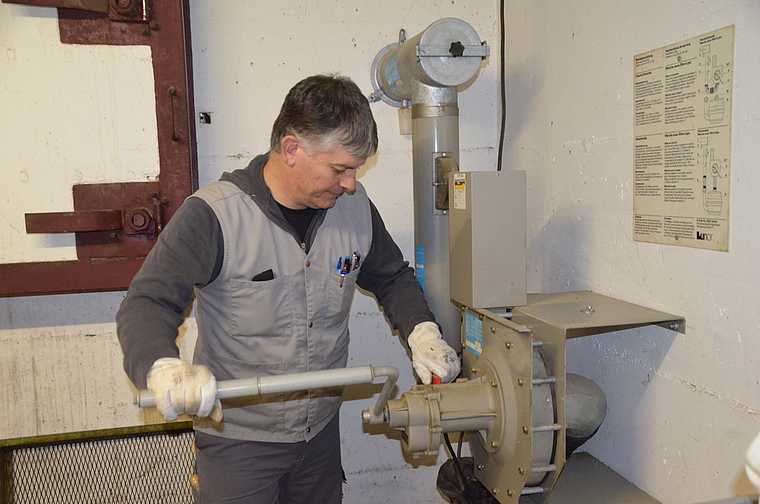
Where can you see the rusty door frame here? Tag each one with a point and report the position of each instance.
(168, 34)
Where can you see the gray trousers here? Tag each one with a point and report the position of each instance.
(250, 472)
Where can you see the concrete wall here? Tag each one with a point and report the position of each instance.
(247, 55)
(60, 364)
(73, 114)
(682, 408)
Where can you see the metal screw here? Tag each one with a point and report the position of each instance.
(495, 491)
(493, 330)
(481, 467)
(521, 470)
(525, 430)
(494, 384)
(510, 492)
(474, 370)
(494, 444)
(520, 382)
(509, 345)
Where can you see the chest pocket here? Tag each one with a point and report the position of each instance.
(260, 308)
(341, 294)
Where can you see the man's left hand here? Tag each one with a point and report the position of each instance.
(431, 355)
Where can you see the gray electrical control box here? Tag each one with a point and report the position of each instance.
(487, 238)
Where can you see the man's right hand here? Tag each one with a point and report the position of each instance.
(180, 388)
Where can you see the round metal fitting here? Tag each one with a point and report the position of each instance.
(138, 219)
(126, 8)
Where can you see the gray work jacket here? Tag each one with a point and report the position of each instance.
(294, 321)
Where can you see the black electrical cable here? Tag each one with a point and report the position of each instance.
(502, 82)
(460, 472)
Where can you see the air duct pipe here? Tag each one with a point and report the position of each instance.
(425, 71)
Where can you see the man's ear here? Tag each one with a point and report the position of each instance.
(289, 148)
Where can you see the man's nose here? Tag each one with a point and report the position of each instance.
(348, 181)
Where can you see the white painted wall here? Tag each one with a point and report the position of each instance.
(682, 408)
(72, 114)
(60, 364)
(247, 55)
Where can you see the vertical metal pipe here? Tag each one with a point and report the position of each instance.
(435, 130)
(387, 391)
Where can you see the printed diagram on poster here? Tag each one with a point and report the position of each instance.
(682, 142)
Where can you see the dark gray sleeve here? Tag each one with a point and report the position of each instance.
(186, 254)
(385, 274)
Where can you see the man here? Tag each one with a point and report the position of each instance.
(272, 253)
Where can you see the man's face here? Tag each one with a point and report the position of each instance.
(319, 180)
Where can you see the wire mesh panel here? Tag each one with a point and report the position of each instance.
(141, 469)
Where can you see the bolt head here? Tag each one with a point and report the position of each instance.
(138, 220)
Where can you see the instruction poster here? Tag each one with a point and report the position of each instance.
(682, 142)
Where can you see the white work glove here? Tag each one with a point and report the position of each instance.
(180, 387)
(752, 462)
(431, 355)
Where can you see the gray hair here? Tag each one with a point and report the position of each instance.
(323, 110)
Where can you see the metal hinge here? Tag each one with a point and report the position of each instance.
(117, 10)
(109, 220)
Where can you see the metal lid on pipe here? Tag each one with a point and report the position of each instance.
(450, 52)
(446, 54)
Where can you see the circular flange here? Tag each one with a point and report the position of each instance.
(378, 90)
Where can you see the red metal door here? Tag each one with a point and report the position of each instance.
(117, 224)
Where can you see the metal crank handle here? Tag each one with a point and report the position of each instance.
(247, 387)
